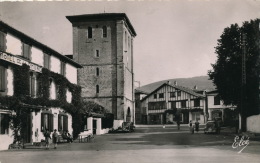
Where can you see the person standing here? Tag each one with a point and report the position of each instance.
(55, 138)
(178, 124)
(197, 126)
(70, 140)
(191, 127)
(47, 136)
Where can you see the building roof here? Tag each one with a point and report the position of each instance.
(138, 91)
(212, 92)
(102, 17)
(31, 41)
(184, 89)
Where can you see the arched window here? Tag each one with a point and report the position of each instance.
(97, 88)
(97, 71)
(128, 112)
(89, 32)
(104, 28)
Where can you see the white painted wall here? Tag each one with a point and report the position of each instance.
(98, 129)
(253, 123)
(211, 103)
(38, 136)
(10, 81)
(68, 96)
(53, 91)
(6, 140)
(117, 123)
(71, 73)
(54, 64)
(37, 56)
(13, 44)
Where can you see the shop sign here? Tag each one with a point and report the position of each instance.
(19, 61)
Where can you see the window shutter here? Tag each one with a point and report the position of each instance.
(46, 61)
(89, 32)
(42, 122)
(59, 123)
(65, 122)
(33, 86)
(2, 41)
(50, 117)
(2, 80)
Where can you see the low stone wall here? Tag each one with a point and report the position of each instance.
(5, 141)
(253, 123)
(117, 123)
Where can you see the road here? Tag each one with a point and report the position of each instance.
(147, 144)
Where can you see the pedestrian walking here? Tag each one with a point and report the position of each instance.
(47, 136)
(55, 138)
(178, 124)
(197, 126)
(191, 127)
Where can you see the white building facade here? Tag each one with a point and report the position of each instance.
(17, 50)
(164, 103)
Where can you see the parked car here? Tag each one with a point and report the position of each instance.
(210, 127)
(128, 126)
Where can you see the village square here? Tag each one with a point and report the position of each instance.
(71, 82)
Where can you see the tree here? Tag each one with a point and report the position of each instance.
(227, 71)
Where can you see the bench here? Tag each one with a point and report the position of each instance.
(86, 138)
(61, 139)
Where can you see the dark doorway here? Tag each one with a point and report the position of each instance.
(128, 115)
(94, 127)
(28, 129)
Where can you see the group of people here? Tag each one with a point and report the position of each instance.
(196, 127)
(66, 135)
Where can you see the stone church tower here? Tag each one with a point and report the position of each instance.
(103, 45)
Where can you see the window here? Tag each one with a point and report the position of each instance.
(157, 105)
(216, 100)
(2, 41)
(155, 96)
(179, 93)
(172, 94)
(196, 102)
(63, 68)
(4, 123)
(104, 29)
(97, 71)
(97, 88)
(38, 87)
(2, 79)
(46, 61)
(173, 104)
(47, 121)
(183, 104)
(196, 116)
(26, 51)
(97, 53)
(32, 85)
(89, 32)
(161, 95)
(62, 122)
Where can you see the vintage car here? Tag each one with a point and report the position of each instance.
(128, 126)
(210, 127)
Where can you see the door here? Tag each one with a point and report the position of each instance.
(94, 126)
(28, 129)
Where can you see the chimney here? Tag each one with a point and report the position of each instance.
(168, 82)
(175, 82)
(195, 87)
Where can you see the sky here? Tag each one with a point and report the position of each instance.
(175, 38)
